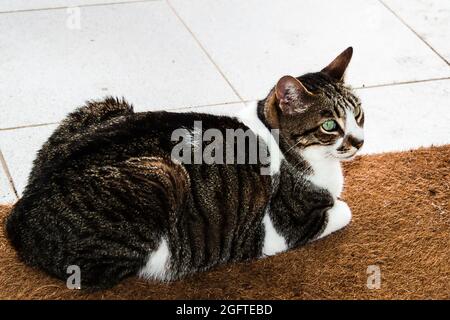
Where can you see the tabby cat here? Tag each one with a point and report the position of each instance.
(105, 194)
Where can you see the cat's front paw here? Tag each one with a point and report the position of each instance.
(338, 217)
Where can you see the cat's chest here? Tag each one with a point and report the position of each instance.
(325, 172)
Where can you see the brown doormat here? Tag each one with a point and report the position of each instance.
(400, 227)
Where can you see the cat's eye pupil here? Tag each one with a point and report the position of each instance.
(329, 125)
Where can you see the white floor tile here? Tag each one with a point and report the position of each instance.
(138, 50)
(19, 5)
(257, 41)
(430, 19)
(7, 195)
(404, 117)
(19, 149)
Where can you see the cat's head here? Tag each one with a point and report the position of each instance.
(318, 112)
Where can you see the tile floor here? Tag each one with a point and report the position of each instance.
(213, 56)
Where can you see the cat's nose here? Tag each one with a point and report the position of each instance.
(351, 141)
(358, 143)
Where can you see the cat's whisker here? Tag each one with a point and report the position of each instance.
(292, 147)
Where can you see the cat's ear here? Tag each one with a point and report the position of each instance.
(291, 94)
(337, 67)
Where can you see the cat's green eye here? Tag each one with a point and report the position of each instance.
(329, 125)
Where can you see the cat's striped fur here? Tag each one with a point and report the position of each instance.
(105, 195)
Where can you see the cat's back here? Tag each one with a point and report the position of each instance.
(112, 187)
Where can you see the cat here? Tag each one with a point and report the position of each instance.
(105, 194)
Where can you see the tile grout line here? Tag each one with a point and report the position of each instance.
(240, 101)
(174, 108)
(204, 50)
(414, 31)
(400, 83)
(77, 6)
(208, 105)
(29, 126)
(8, 174)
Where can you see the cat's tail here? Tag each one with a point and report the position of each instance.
(83, 119)
(93, 113)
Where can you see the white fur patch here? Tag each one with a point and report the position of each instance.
(327, 171)
(250, 118)
(157, 263)
(338, 217)
(273, 242)
(351, 127)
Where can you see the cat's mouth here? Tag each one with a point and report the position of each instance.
(346, 156)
